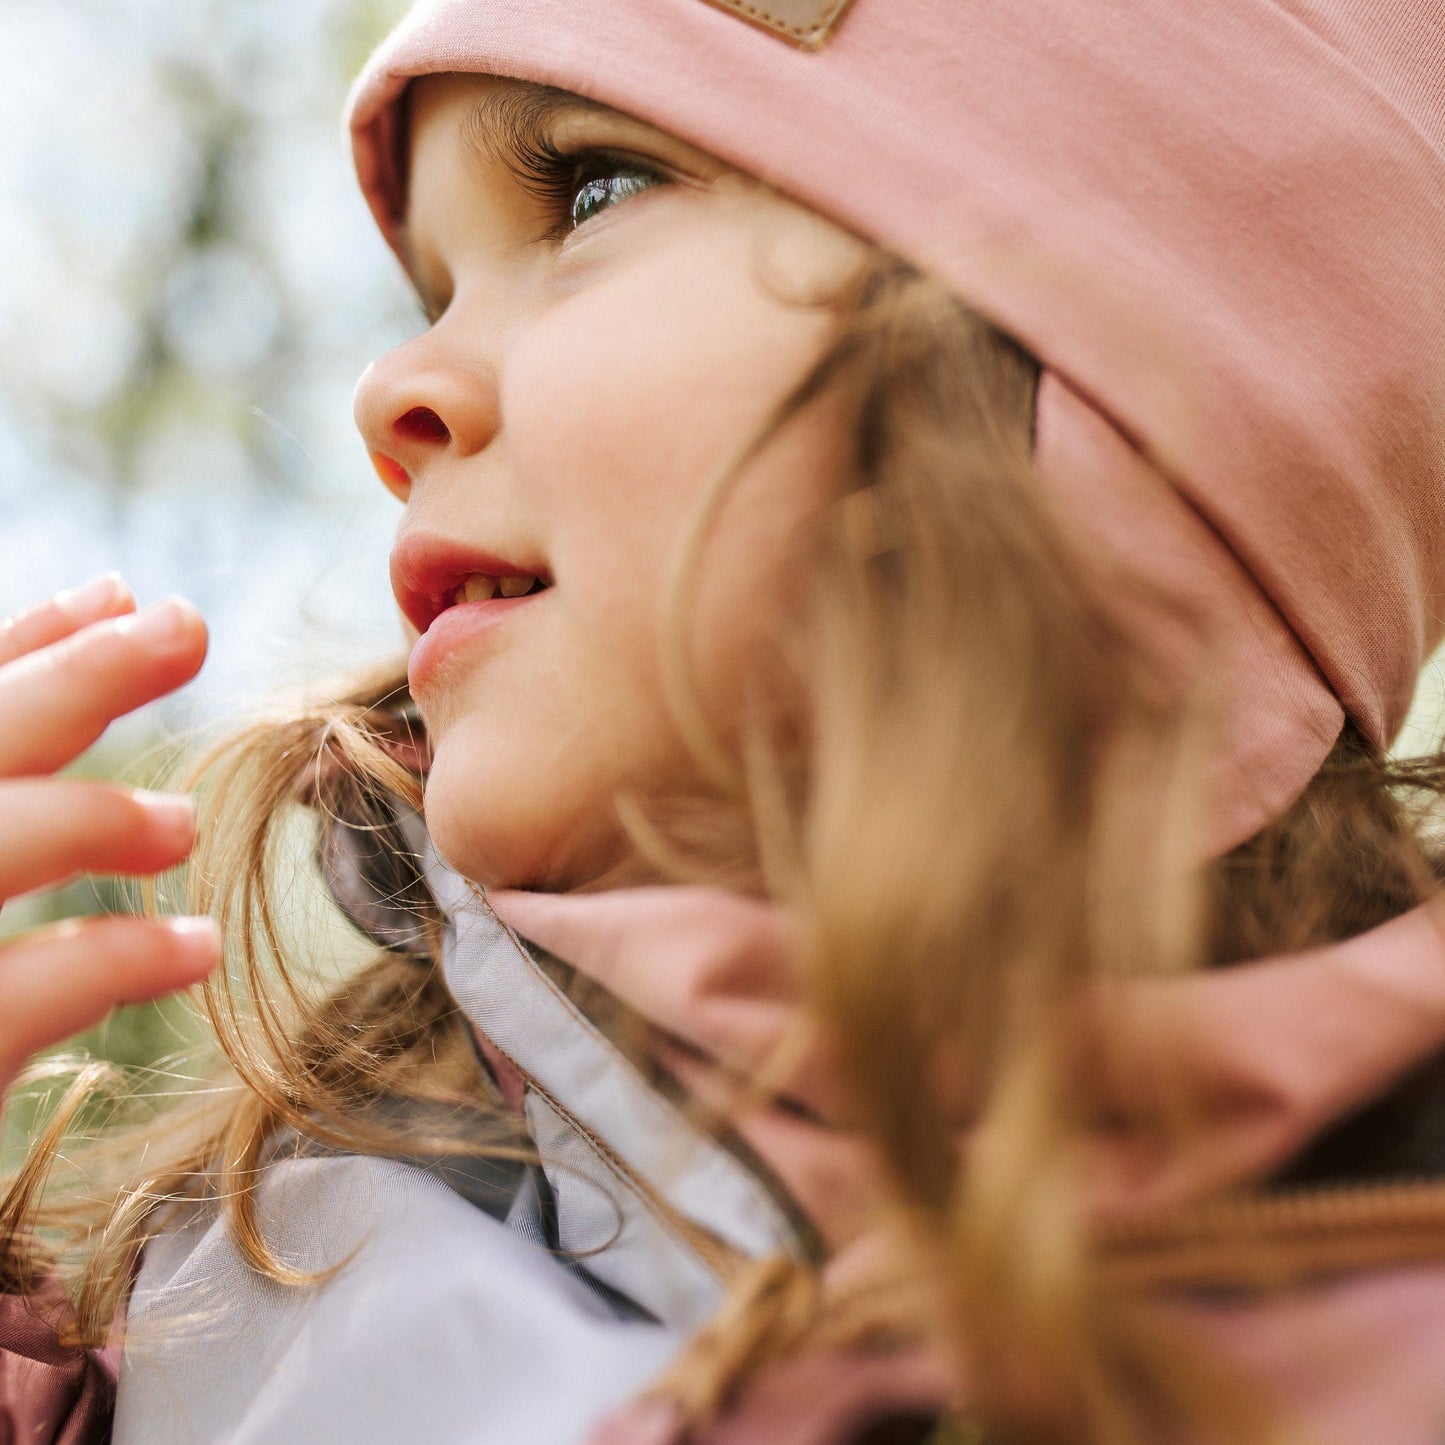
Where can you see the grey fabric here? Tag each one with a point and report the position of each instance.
(605, 1225)
(602, 1131)
(533, 1215)
(442, 1325)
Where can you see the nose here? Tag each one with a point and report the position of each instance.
(421, 402)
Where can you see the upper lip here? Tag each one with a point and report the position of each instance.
(426, 572)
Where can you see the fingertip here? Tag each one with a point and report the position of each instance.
(173, 633)
(94, 601)
(66, 977)
(188, 612)
(172, 816)
(196, 946)
(73, 610)
(194, 637)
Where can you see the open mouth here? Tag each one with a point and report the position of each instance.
(431, 575)
(482, 587)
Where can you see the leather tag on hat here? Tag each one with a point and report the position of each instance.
(804, 22)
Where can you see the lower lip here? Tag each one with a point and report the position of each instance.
(456, 630)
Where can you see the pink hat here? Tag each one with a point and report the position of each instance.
(1221, 229)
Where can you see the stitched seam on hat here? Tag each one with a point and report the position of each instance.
(798, 32)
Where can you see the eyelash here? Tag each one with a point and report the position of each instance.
(555, 177)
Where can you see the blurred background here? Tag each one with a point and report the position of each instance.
(191, 286)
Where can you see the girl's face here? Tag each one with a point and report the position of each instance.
(610, 323)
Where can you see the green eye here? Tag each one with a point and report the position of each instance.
(603, 186)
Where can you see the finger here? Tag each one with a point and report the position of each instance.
(63, 614)
(52, 829)
(62, 979)
(55, 702)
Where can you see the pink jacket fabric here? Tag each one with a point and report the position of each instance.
(1272, 1052)
(49, 1394)
(1221, 228)
(1348, 1360)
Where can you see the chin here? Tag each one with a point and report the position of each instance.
(495, 826)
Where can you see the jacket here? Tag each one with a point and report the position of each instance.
(536, 1303)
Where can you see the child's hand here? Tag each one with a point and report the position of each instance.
(67, 669)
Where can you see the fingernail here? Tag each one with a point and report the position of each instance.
(198, 943)
(94, 599)
(166, 624)
(173, 813)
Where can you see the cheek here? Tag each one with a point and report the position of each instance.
(750, 573)
(624, 399)
(621, 404)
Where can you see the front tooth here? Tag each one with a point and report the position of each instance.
(514, 586)
(478, 588)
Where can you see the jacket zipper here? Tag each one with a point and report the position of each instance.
(1263, 1240)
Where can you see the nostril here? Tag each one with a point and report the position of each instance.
(422, 424)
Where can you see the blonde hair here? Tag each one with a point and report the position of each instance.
(950, 772)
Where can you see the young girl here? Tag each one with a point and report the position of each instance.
(919, 526)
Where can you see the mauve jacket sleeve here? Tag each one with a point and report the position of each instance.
(50, 1393)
